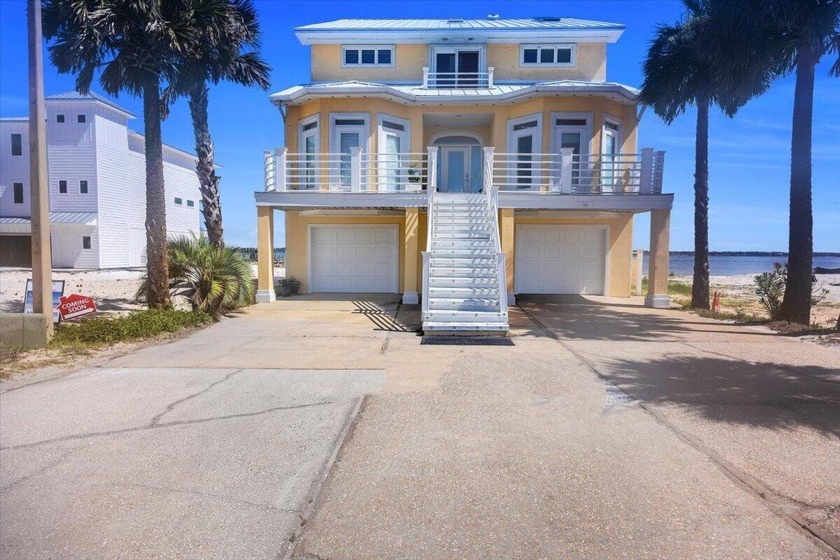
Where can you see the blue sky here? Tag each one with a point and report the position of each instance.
(749, 155)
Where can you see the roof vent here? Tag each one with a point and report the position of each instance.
(493, 16)
(455, 20)
(547, 18)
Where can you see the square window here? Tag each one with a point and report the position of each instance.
(351, 56)
(59, 118)
(368, 56)
(86, 242)
(564, 56)
(384, 56)
(178, 201)
(547, 56)
(62, 187)
(190, 203)
(18, 188)
(81, 118)
(529, 56)
(17, 145)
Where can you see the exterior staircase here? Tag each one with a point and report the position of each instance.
(464, 284)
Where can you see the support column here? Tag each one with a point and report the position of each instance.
(660, 228)
(506, 232)
(265, 254)
(411, 256)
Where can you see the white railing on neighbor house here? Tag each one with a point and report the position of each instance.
(563, 173)
(457, 80)
(569, 173)
(430, 224)
(353, 172)
(492, 194)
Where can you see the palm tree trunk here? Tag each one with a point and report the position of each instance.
(700, 284)
(207, 178)
(157, 268)
(796, 305)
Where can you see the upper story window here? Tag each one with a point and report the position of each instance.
(18, 192)
(547, 55)
(458, 67)
(367, 55)
(17, 145)
(179, 201)
(59, 118)
(62, 187)
(83, 187)
(86, 242)
(190, 203)
(81, 118)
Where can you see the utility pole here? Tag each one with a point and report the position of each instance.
(39, 188)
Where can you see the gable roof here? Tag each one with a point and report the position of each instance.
(485, 30)
(92, 96)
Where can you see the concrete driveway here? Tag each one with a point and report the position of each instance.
(601, 429)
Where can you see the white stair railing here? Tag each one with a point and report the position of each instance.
(431, 189)
(492, 198)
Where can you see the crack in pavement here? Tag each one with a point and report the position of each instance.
(219, 497)
(61, 458)
(170, 407)
(745, 480)
(165, 425)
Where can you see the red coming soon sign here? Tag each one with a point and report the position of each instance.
(76, 305)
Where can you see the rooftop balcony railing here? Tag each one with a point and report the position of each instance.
(457, 80)
(563, 173)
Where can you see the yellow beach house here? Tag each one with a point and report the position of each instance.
(461, 162)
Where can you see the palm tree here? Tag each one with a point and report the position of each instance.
(799, 34)
(228, 27)
(689, 63)
(133, 43)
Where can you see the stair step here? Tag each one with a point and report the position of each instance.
(446, 261)
(453, 315)
(464, 245)
(465, 253)
(432, 326)
(487, 271)
(461, 282)
(472, 292)
(462, 234)
(464, 304)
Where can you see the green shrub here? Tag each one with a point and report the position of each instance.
(214, 280)
(138, 325)
(770, 289)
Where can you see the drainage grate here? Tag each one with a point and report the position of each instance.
(467, 341)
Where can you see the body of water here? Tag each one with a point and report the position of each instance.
(732, 265)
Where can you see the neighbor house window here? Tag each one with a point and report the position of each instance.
(178, 201)
(86, 242)
(190, 203)
(547, 55)
(62, 187)
(83, 187)
(18, 191)
(17, 145)
(59, 118)
(367, 55)
(81, 118)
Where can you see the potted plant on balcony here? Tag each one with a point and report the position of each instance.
(413, 173)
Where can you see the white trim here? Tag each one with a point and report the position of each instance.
(536, 145)
(335, 145)
(376, 49)
(396, 252)
(539, 46)
(423, 36)
(618, 135)
(438, 48)
(381, 141)
(553, 145)
(605, 228)
(437, 136)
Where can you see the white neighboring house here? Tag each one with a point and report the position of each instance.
(97, 186)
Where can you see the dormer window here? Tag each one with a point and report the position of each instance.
(547, 55)
(367, 55)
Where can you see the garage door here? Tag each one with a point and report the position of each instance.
(354, 259)
(560, 259)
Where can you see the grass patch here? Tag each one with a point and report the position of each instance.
(135, 326)
(740, 316)
(675, 287)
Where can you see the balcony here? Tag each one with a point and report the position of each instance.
(532, 181)
(457, 80)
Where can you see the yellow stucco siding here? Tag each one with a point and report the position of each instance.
(409, 60)
(590, 64)
(619, 245)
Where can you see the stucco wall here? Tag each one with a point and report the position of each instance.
(590, 64)
(409, 61)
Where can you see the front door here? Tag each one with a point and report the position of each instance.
(455, 174)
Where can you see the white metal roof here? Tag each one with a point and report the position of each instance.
(489, 30)
(92, 96)
(408, 94)
(84, 218)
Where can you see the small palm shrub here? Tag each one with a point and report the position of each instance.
(770, 289)
(214, 280)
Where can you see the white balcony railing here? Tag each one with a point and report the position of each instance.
(569, 173)
(457, 80)
(564, 173)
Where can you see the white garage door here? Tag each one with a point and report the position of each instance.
(560, 259)
(355, 259)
